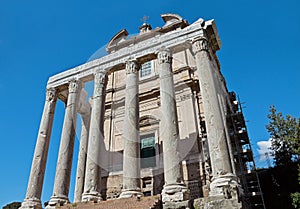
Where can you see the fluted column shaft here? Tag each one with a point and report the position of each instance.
(65, 155)
(131, 137)
(82, 155)
(169, 133)
(92, 173)
(36, 178)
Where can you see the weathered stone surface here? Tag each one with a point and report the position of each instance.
(217, 141)
(165, 108)
(92, 173)
(217, 203)
(85, 110)
(143, 48)
(64, 162)
(36, 178)
(178, 205)
(131, 137)
(174, 190)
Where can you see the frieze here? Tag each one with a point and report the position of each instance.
(150, 46)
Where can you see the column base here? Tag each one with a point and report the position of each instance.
(225, 186)
(31, 203)
(91, 197)
(175, 193)
(57, 200)
(131, 193)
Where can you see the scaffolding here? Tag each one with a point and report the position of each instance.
(243, 157)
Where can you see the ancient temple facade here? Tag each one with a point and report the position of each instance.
(160, 122)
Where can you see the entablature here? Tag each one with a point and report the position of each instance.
(142, 51)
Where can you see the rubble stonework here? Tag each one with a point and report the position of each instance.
(157, 123)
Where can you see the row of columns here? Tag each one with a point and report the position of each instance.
(89, 173)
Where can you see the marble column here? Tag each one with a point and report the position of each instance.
(218, 150)
(174, 189)
(92, 173)
(82, 155)
(65, 155)
(36, 178)
(131, 138)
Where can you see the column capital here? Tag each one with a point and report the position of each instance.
(100, 76)
(51, 95)
(164, 55)
(74, 86)
(100, 79)
(132, 66)
(200, 44)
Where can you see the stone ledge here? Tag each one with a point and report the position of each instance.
(152, 202)
(217, 203)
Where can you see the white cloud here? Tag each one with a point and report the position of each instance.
(263, 148)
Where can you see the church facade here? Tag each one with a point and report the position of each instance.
(161, 121)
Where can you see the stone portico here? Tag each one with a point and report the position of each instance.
(155, 124)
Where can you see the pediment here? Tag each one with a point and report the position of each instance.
(173, 21)
(116, 39)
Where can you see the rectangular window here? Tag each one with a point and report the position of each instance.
(148, 151)
(146, 69)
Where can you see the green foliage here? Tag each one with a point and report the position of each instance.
(296, 199)
(285, 134)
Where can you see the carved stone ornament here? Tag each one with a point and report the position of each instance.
(51, 94)
(164, 56)
(100, 76)
(132, 66)
(100, 80)
(200, 44)
(74, 86)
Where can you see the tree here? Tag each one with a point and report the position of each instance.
(285, 138)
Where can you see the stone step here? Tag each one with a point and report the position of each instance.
(151, 202)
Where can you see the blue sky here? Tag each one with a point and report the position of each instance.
(259, 59)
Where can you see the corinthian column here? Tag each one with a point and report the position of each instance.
(174, 190)
(85, 112)
(92, 172)
(36, 178)
(131, 138)
(218, 150)
(64, 162)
